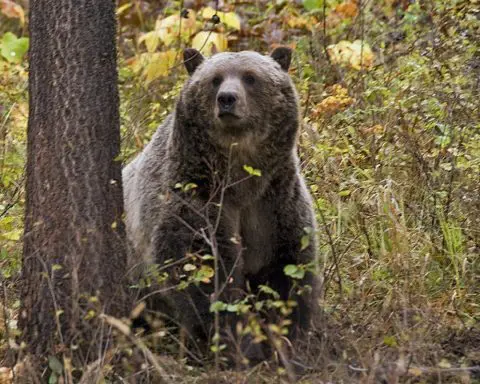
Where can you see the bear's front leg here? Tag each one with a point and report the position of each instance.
(295, 220)
(201, 243)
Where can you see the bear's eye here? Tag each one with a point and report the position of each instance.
(217, 80)
(249, 79)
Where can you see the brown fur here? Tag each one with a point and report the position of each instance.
(197, 144)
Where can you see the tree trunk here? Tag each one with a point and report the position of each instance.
(74, 258)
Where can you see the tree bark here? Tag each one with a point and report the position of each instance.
(74, 258)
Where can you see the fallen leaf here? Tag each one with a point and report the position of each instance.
(444, 363)
(377, 129)
(302, 22)
(12, 10)
(6, 375)
(356, 55)
(362, 55)
(337, 101)
(348, 9)
(415, 371)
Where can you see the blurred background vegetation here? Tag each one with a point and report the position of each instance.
(390, 145)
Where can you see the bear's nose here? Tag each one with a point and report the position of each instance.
(226, 101)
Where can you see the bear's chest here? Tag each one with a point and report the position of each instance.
(257, 229)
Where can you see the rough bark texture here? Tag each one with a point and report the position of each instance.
(74, 235)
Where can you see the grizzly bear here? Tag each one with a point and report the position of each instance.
(220, 180)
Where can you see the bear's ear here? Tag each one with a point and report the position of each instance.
(283, 56)
(192, 59)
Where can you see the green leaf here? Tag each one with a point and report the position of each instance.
(221, 347)
(304, 242)
(55, 365)
(252, 171)
(269, 291)
(183, 285)
(53, 379)
(218, 306)
(12, 48)
(294, 271)
(311, 5)
(391, 341)
(189, 186)
(204, 274)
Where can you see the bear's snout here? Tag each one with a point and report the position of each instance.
(226, 102)
(230, 103)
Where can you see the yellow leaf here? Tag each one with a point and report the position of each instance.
(340, 53)
(356, 55)
(12, 235)
(116, 323)
(90, 315)
(337, 101)
(137, 311)
(414, 371)
(297, 22)
(123, 8)
(275, 329)
(362, 55)
(6, 375)
(231, 19)
(168, 29)
(444, 363)
(158, 65)
(189, 267)
(209, 42)
(151, 40)
(377, 129)
(205, 273)
(137, 63)
(208, 13)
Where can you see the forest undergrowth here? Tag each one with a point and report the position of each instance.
(390, 147)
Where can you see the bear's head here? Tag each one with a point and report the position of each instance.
(235, 97)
